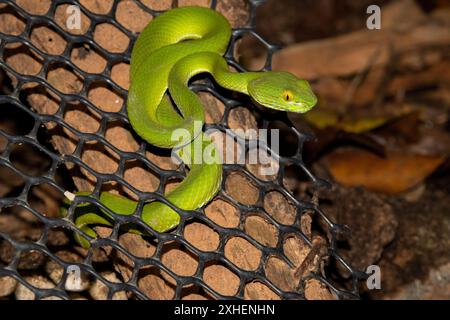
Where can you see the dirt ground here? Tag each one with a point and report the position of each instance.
(403, 228)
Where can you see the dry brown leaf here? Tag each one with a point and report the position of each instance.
(322, 119)
(397, 172)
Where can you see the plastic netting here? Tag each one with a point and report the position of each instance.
(34, 132)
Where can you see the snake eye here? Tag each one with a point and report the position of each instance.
(288, 96)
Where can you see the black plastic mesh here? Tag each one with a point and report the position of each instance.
(38, 137)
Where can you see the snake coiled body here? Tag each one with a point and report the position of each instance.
(173, 48)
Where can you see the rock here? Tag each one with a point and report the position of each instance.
(38, 281)
(29, 260)
(316, 290)
(99, 291)
(7, 286)
(371, 220)
(418, 258)
(258, 291)
(435, 287)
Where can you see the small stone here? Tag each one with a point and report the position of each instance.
(316, 290)
(7, 286)
(38, 281)
(99, 291)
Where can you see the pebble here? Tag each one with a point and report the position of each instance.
(99, 291)
(7, 286)
(38, 281)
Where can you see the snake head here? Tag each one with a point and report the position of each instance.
(282, 91)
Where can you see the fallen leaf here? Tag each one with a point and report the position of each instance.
(397, 172)
(322, 119)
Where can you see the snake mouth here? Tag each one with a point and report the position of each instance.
(301, 107)
(264, 104)
(293, 107)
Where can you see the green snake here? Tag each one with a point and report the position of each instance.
(173, 48)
